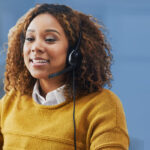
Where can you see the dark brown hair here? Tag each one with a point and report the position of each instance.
(94, 71)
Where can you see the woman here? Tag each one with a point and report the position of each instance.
(58, 63)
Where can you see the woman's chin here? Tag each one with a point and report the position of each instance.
(39, 76)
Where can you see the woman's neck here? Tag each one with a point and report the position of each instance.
(49, 85)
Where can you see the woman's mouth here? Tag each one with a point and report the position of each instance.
(39, 61)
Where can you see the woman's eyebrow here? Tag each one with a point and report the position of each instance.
(52, 30)
(47, 30)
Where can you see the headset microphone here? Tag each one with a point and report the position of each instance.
(61, 72)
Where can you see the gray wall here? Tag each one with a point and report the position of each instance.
(128, 24)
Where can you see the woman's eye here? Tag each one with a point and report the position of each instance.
(50, 40)
(29, 39)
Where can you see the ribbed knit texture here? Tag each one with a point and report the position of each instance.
(26, 125)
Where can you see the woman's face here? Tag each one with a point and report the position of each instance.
(45, 47)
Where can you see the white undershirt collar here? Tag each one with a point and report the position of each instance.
(52, 98)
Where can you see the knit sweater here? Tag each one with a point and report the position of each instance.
(26, 125)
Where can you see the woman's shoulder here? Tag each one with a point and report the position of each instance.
(12, 93)
(105, 103)
(10, 97)
(103, 97)
(109, 101)
(106, 107)
(108, 97)
(7, 99)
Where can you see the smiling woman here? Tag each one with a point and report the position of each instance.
(45, 50)
(58, 63)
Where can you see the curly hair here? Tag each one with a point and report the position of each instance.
(94, 71)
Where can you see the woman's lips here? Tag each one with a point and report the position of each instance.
(39, 61)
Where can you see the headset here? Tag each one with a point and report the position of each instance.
(73, 60)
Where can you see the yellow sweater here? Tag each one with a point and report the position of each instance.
(26, 125)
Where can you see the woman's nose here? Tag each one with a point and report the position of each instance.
(37, 47)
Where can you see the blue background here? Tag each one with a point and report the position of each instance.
(128, 30)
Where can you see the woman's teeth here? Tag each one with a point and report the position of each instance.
(40, 61)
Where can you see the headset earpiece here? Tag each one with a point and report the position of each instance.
(74, 58)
